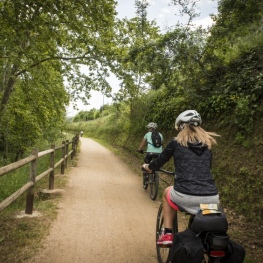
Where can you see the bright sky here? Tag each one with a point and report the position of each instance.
(165, 15)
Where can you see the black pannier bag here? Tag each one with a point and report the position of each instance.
(235, 253)
(217, 241)
(187, 248)
(216, 222)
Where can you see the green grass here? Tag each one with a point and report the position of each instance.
(20, 237)
(11, 182)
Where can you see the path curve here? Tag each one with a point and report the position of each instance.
(105, 215)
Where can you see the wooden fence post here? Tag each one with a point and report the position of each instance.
(63, 157)
(75, 141)
(30, 192)
(73, 148)
(66, 162)
(52, 165)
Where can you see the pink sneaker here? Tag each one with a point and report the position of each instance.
(166, 239)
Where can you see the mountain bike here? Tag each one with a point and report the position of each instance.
(214, 248)
(151, 179)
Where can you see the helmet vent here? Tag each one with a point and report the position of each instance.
(190, 116)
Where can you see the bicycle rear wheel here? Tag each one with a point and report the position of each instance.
(163, 252)
(154, 185)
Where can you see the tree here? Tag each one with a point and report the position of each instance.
(235, 20)
(131, 47)
(35, 111)
(43, 45)
(38, 32)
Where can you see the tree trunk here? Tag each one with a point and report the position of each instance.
(7, 92)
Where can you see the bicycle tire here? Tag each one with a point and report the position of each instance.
(164, 253)
(154, 185)
(144, 181)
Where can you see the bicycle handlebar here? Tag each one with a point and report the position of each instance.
(160, 170)
(142, 152)
(167, 172)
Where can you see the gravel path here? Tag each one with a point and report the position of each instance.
(105, 215)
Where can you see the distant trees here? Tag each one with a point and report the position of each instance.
(93, 113)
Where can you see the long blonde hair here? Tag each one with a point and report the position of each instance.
(194, 134)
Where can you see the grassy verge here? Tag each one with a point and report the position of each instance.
(20, 236)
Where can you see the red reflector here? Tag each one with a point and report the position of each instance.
(214, 253)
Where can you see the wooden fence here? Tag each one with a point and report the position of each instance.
(66, 151)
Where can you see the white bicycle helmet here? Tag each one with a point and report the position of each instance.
(152, 125)
(188, 116)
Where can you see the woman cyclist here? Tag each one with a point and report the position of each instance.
(191, 151)
(152, 151)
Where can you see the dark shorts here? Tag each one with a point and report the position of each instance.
(149, 156)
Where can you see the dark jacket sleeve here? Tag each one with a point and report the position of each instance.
(164, 157)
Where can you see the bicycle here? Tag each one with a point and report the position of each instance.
(214, 249)
(151, 179)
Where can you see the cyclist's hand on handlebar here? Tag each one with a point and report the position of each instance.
(145, 167)
(140, 151)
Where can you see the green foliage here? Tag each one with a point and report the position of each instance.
(92, 114)
(162, 108)
(10, 183)
(236, 15)
(237, 22)
(44, 45)
(239, 173)
(236, 92)
(246, 142)
(232, 87)
(33, 112)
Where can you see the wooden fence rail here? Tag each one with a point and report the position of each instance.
(33, 177)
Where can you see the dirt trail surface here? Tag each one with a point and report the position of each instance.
(104, 216)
